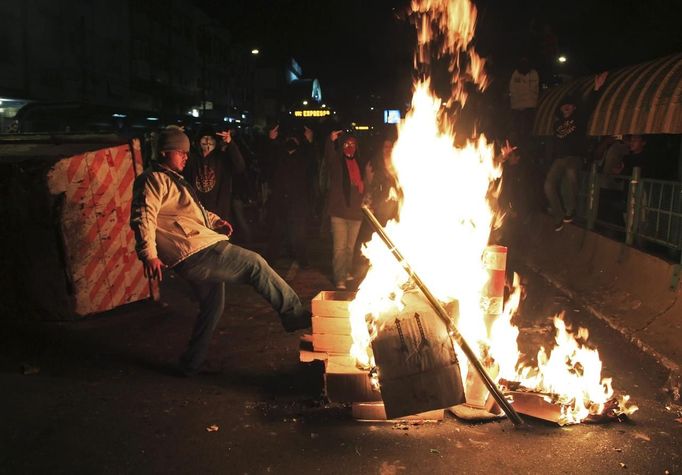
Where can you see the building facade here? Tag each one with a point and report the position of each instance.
(162, 57)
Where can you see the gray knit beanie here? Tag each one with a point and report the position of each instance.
(173, 138)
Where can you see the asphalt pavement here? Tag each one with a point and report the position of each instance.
(100, 395)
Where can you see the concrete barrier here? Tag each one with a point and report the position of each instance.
(627, 288)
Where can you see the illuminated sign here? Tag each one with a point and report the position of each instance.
(391, 116)
(312, 113)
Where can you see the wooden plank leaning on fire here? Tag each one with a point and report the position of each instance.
(442, 313)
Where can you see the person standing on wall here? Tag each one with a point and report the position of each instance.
(570, 147)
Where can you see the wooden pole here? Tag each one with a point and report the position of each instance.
(440, 311)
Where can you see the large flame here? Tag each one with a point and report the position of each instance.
(444, 227)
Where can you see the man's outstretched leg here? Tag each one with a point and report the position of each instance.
(231, 264)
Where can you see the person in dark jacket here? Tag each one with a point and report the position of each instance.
(348, 182)
(570, 146)
(212, 170)
(290, 198)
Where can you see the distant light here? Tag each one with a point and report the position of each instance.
(305, 103)
(0, 102)
(324, 106)
(289, 112)
(226, 119)
(238, 121)
(194, 113)
(391, 116)
(152, 118)
(122, 116)
(371, 108)
(255, 51)
(243, 116)
(561, 59)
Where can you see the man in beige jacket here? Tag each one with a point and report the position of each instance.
(172, 229)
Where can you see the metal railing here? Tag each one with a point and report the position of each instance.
(641, 209)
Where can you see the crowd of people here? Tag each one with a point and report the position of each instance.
(185, 214)
(208, 206)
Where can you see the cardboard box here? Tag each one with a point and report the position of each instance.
(418, 368)
(331, 325)
(535, 405)
(332, 303)
(338, 344)
(375, 411)
(344, 382)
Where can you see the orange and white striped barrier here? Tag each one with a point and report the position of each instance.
(99, 245)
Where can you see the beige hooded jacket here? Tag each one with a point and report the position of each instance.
(167, 221)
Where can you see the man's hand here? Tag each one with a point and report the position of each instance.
(225, 135)
(507, 149)
(335, 135)
(308, 133)
(273, 133)
(599, 80)
(153, 268)
(225, 225)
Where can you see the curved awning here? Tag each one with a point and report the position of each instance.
(641, 99)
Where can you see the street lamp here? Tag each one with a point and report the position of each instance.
(255, 51)
(561, 59)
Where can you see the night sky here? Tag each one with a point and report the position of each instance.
(362, 47)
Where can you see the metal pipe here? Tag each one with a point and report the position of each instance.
(632, 207)
(442, 313)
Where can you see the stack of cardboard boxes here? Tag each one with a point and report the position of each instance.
(330, 343)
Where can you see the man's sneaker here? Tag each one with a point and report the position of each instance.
(292, 322)
(568, 218)
(559, 227)
(340, 286)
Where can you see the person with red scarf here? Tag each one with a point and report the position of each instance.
(348, 181)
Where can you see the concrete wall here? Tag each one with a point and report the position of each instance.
(628, 288)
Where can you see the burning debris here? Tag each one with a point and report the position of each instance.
(402, 340)
(555, 408)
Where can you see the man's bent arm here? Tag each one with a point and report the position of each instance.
(147, 195)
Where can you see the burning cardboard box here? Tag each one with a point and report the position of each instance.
(418, 368)
(330, 343)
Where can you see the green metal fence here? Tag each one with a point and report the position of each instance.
(640, 209)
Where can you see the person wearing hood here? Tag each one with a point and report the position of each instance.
(212, 169)
(348, 182)
(570, 146)
(290, 198)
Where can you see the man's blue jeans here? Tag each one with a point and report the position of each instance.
(563, 167)
(224, 263)
(344, 235)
